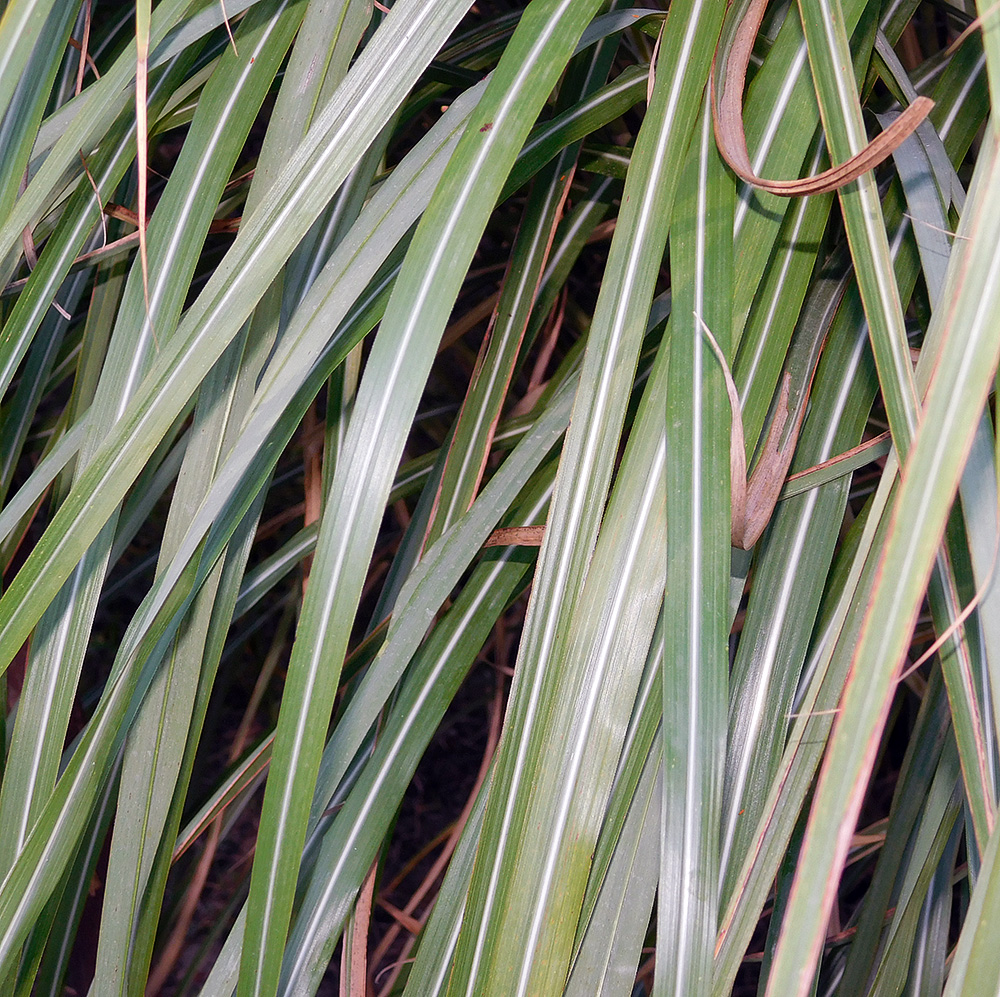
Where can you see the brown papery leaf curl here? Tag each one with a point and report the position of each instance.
(727, 119)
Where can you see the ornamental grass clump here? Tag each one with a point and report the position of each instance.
(499, 498)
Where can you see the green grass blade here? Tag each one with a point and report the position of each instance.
(64, 629)
(824, 675)
(696, 605)
(81, 222)
(941, 812)
(780, 120)
(974, 965)
(866, 235)
(20, 27)
(844, 127)
(772, 318)
(611, 947)
(931, 731)
(429, 975)
(24, 115)
(104, 102)
(794, 776)
(791, 568)
(477, 419)
(187, 209)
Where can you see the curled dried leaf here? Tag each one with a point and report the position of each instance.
(727, 121)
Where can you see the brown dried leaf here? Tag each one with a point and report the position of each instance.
(516, 536)
(727, 120)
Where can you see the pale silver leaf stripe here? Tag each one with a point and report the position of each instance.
(554, 575)
(607, 975)
(649, 687)
(196, 26)
(621, 84)
(40, 738)
(890, 10)
(575, 224)
(438, 951)
(64, 933)
(962, 95)
(444, 969)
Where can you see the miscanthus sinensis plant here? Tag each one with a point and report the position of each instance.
(499, 498)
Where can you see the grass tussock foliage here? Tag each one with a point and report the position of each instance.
(471, 525)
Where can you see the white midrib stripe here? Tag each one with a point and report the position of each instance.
(956, 107)
(39, 735)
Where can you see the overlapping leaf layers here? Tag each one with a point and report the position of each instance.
(387, 604)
